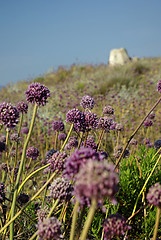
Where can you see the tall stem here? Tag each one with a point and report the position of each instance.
(20, 171)
(156, 223)
(74, 220)
(66, 140)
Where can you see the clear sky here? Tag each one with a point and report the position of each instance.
(36, 35)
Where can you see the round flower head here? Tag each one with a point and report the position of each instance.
(148, 123)
(115, 225)
(87, 102)
(37, 93)
(2, 192)
(72, 143)
(32, 152)
(25, 130)
(8, 115)
(73, 116)
(105, 123)
(119, 127)
(62, 136)
(22, 107)
(90, 121)
(50, 153)
(57, 161)
(108, 110)
(58, 126)
(154, 195)
(77, 159)
(42, 213)
(14, 137)
(157, 144)
(49, 229)
(159, 86)
(61, 189)
(90, 144)
(96, 180)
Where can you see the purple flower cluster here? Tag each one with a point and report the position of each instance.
(90, 121)
(50, 153)
(147, 142)
(154, 195)
(62, 136)
(61, 189)
(148, 123)
(96, 180)
(77, 159)
(74, 116)
(49, 229)
(108, 110)
(57, 161)
(58, 126)
(25, 130)
(87, 102)
(42, 213)
(157, 144)
(32, 152)
(8, 115)
(14, 137)
(105, 123)
(37, 93)
(90, 144)
(72, 143)
(159, 86)
(22, 107)
(115, 225)
(2, 192)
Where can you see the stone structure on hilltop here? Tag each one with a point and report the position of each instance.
(118, 57)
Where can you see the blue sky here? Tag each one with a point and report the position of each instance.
(37, 35)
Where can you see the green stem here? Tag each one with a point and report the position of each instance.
(136, 130)
(100, 138)
(66, 140)
(33, 198)
(89, 219)
(157, 220)
(53, 207)
(45, 189)
(20, 172)
(74, 220)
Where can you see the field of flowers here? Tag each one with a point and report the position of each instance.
(80, 154)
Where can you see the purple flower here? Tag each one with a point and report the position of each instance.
(25, 130)
(42, 213)
(148, 123)
(22, 107)
(72, 143)
(49, 229)
(57, 161)
(37, 93)
(90, 144)
(159, 86)
(157, 144)
(154, 195)
(58, 126)
(32, 152)
(8, 115)
(108, 110)
(105, 123)
(114, 225)
(14, 137)
(74, 116)
(2, 146)
(50, 153)
(22, 199)
(87, 102)
(2, 192)
(119, 127)
(151, 115)
(77, 159)
(61, 189)
(90, 121)
(62, 136)
(96, 180)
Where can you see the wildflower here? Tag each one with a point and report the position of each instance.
(62, 136)
(148, 123)
(49, 229)
(22, 199)
(157, 144)
(115, 225)
(32, 152)
(57, 161)
(119, 127)
(14, 137)
(96, 180)
(87, 102)
(72, 143)
(22, 107)
(90, 121)
(159, 86)
(50, 153)
(105, 123)
(90, 144)
(108, 110)
(2, 192)
(8, 115)
(25, 130)
(61, 189)
(154, 195)
(37, 93)
(73, 116)
(58, 126)
(77, 159)
(42, 213)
